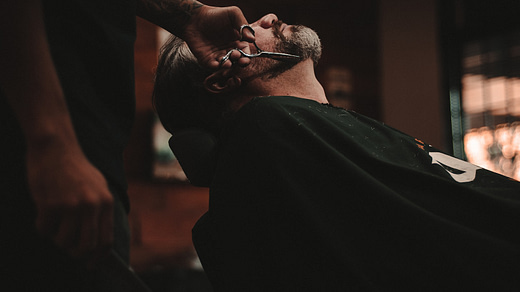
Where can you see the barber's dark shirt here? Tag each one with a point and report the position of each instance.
(310, 197)
(91, 43)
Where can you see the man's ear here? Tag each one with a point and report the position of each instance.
(222, 81)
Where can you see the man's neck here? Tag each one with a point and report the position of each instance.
(300, 81)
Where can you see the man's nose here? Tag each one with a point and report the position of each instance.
(267, 21)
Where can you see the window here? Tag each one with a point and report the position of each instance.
(491, 103)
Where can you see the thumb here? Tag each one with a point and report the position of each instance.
(238, 20)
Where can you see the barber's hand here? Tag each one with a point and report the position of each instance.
(213, 31)
(74, 205)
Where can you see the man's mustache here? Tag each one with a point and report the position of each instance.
(277, 30)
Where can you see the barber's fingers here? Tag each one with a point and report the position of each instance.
(245, 37)
(248, 36)
(233, 57)
(106, 226)
(96, 229)
(243, 61)
(247, 33)
(95, 243)
(81, 231)
(88, 230)
(239, 21)
(67, 234)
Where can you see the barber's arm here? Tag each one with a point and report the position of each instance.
(209, 31)
(73, 202)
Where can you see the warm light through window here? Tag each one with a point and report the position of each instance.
(492, 146)
(491, 103)
(495, 149)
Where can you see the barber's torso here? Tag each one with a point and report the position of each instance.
(91, 43)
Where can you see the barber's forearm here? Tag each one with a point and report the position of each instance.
(28, 76)
(172, 15)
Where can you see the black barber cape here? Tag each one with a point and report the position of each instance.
(310, 197)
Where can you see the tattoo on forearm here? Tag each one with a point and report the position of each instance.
(170, 14)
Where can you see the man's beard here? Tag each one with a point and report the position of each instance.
(303, 42)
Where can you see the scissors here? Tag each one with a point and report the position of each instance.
(259, 52)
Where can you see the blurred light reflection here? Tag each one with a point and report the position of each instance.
(495, 149)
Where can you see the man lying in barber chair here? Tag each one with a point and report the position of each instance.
(306, 196)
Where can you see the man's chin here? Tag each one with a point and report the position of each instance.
(303, 42)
